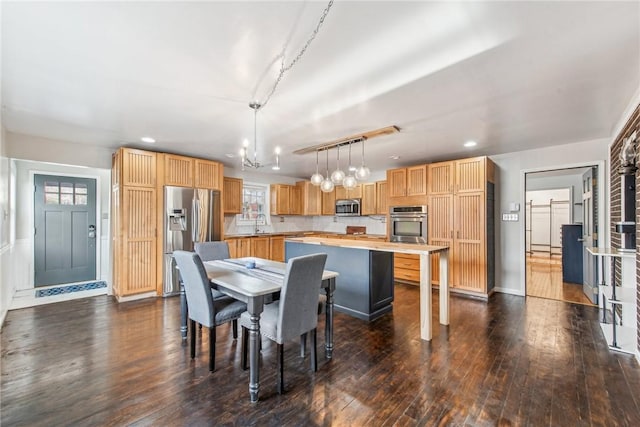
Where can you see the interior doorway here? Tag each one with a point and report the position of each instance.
(558, 228)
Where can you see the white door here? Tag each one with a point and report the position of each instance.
(589, 234)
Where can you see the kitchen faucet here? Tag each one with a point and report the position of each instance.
(257, 230)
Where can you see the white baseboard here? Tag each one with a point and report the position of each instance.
(509, 291)
(137, 297)
(27, 297)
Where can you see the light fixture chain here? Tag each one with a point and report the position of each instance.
(284, 68)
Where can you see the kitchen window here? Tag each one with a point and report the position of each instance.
(255, 205)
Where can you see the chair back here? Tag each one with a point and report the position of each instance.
(299, 296)
(210, 251)
(196, 287)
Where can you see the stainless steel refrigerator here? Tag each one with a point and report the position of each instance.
(191, 215)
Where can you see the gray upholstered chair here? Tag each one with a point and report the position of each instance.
(211, 251)
(295, 313)
(202, 307)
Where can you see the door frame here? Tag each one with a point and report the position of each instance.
(31, 213)
(603, 209)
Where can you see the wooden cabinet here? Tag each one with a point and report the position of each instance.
(407, 185)
(232, 195)
(267, 247)
(369, 206)
(461, 200)
(441, 178)
(239, 247)
(295, 200)
(382, 199)
(329, 203)
(208, 174)
(276, 251)
(343, 193)
(280, 194)
(406, 267)
(178, 170)
(311, 198)
(260, 247)
(138, 167)
(134, 222)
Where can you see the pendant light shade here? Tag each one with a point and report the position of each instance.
(363, 171)
(316, 178)
(327, 185)
(350, 181)
(338, 175)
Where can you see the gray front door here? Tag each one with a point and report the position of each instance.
(589, 234)
(65, 229)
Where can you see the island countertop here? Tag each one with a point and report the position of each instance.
(405, 248)
(424, 251)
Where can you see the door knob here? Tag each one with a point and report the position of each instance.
(92, 231)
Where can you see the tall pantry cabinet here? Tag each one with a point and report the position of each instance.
(133, 220)
(138, 178)
(461, 212)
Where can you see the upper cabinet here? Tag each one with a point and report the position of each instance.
(329, 203)
(295, 200)
(343, 193)
(208, 174)
(232, 191)
(280, 199)
(178, 170)
(369, 199)
(138, 168)
(441, 178)
(472, 174)
(311, 196)
(407, 185)
(382, 198)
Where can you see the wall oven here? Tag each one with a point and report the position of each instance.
(408, 224)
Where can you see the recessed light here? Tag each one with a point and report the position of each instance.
(469, 144)
(394, 157)
(147, 139)
(230, 155)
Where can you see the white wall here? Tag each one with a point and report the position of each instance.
(6, 288)
(27, 147)
(511, 168)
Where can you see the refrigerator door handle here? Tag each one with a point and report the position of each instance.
(194, 220)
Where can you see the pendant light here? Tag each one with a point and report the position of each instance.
(327, 185)
(316, 178)
(338, 175)
(350, 181)
(363, 171)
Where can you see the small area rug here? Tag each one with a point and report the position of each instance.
(58, 290)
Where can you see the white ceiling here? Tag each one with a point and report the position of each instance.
(510, 75)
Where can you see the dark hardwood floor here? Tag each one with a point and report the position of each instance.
(511, 361)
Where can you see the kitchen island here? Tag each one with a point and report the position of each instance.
(343, 263)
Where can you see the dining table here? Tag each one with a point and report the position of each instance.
(251, 280)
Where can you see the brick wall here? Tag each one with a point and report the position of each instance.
(632, 124)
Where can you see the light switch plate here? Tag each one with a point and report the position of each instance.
(510, 217)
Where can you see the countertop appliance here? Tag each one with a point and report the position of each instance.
(348, 207)
(191, 215)
(408, 224)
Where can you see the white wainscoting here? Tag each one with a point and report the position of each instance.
(7, 287)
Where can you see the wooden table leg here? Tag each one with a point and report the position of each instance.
(328, 326)
(444, 287)
(425, 296)
(254, 307)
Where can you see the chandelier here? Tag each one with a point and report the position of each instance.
(244, 151)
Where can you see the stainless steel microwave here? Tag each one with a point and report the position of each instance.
(348, 207)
